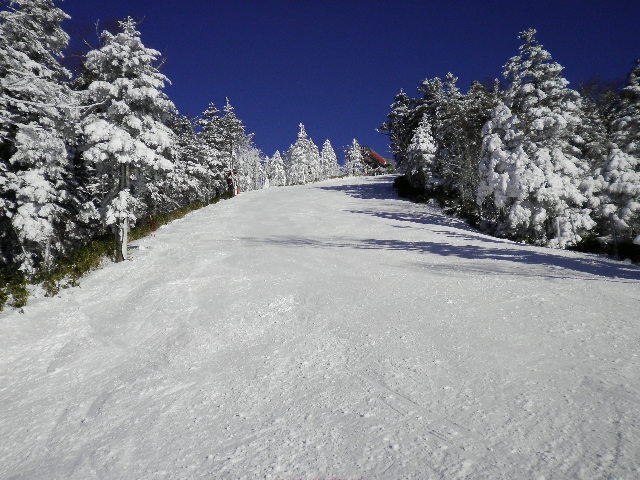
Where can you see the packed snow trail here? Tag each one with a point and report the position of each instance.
(327, 331)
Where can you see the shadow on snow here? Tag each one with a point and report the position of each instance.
(589, 265)
(381, 188)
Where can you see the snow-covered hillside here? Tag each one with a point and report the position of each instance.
(327, 331)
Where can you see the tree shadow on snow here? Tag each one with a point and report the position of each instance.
(413, 219)
(492, 248)
(379, 188)
(560, 265)
(518, 254)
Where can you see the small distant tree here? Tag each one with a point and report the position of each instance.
(198, 173)
(354, 161)
(302, 160)
(251, 174)
(329, 161)
(223, 132)
(277, 176)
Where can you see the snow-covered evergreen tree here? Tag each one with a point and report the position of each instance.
(354, 161)
(329, 161)
(314, 162)
(622, 183)
(505, 173)
(233, 131)
(249, 161)
(627, 120)
(198, 173)
(593, 140)
(421, 157)
(592, 136)
(124, 136)
(455, 123)
(35, 115)
(211, 127)
(544, 194)
(449, 134)
(223, 132)
(474, 111)
(400, 125)
(622, 171)
(276, 173)
(302, 160)
(437, 98)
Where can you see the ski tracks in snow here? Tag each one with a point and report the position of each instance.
(327, 331)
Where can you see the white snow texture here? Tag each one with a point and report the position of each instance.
(328, 330)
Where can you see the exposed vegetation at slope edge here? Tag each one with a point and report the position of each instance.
(68, 270)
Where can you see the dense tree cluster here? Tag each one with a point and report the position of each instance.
(93, 155)
(304, 162)
(530, 159)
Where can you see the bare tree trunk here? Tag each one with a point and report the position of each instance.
(614, 231)
(232, 167)
(122, 233)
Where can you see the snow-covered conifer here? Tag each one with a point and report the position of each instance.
(622, 171)
(474, 111)
(210, 124)
(354, 161)
(449, 134)
(233, 131)
(124, 136)
(34, 127)
(400, 124)
(545, 192)
(626, 124)
(314, 163)
(198, 173)
(276, 174)
(420, 159)
(592, 136)
(593, 140)
(302, 160)
(250, 171)
(329, 161)
(504, 174)
(223, 132)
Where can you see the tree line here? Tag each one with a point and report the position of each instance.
(527, 158)
(93, 154)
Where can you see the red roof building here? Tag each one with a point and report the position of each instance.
(373, 159)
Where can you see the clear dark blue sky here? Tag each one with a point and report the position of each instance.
(336, 64)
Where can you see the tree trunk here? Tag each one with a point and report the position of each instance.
(614, 231)
(122, 228)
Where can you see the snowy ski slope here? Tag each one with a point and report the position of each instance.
(327, 331)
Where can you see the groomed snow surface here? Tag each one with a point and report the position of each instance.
(327, 331)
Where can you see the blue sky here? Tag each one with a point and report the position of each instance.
(335, 65)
